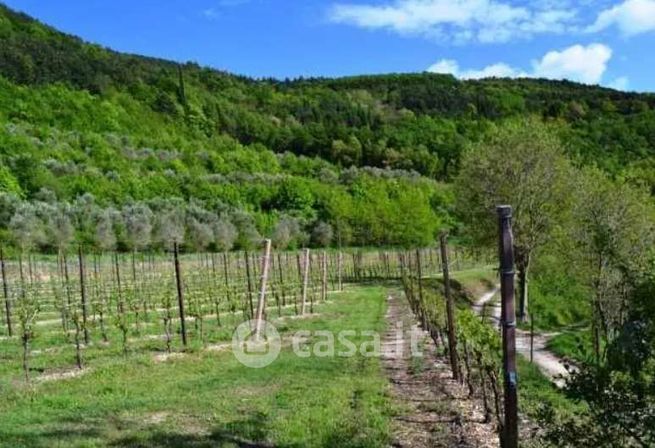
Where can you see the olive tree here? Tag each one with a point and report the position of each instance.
(63, 232)
(138, 225)
(248, 236)
(200, 232)
(225, 234)
(84, 210)
(521, 164)
(288, 232)
(26, 227)
(322, 234)
(105, 234)
(169, 226)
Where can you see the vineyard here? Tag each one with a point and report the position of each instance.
(166, 302)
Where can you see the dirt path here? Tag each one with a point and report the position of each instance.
(550, 364)
(434, 410)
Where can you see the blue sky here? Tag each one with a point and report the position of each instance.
(609, 42)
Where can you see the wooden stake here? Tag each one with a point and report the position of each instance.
(5, 291)
(261, 303)
(249, 282)
(227, 280)
(305, 280)
(450, 308)
(300, 278)
(180, 293)
(509, 435)
(421, 304)
(339, 270)
(283, 291)
(80, 259)
(325, 278)
(532, 338)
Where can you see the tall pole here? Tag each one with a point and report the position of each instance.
(246, 256)
(325, 277)
(509, 436)
(261, 303)
(450, 309)
(421, 309)
(227, 279)
(180, 293)
(305, 280)
(283, 291)
(80, 259)
(5, 291)
(339, 268)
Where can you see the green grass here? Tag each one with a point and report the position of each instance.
(573, 344)
(536, 390)
(466, 285)
(553, 312)
(471, 284)
(205, 398)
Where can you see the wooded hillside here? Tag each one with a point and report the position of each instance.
(88, 132)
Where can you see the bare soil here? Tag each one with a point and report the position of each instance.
(434, 410)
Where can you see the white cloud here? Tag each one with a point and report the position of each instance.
(445, 66)
(500, 70)
(631, 17)
(457, 20)
(576, 63)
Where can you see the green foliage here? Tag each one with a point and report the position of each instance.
(619, 394)
(557, 299)
(9, 183)
(76, 118)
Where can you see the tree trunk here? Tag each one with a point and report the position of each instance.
(523, 267)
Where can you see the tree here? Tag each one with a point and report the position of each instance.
(201, 234)
(225, 234)
(169, 226)
(520, 164)
(138, 224)
(612, 232)
(85, 210)
(26, 227)
(248, 236)
(619, 395)
(287, 233)
(322, 234)
(105, 232)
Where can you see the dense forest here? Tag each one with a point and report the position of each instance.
(102, 144)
